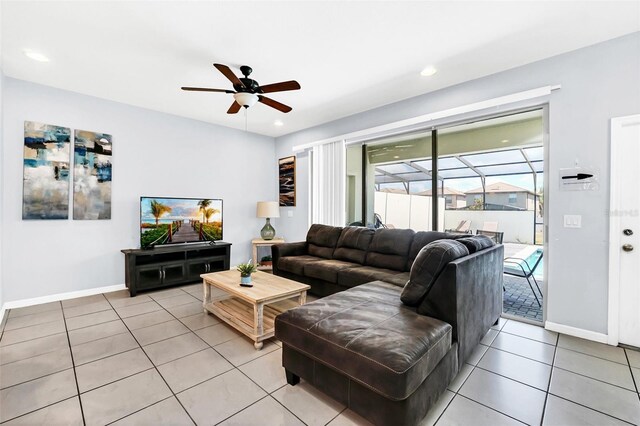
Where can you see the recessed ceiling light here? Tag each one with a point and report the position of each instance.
(396, 156)
(504, 140)
(428, 71)
(36, 56)
(278, 123)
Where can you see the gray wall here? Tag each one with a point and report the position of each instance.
(598, 82)
(154, 154)
(1, 149)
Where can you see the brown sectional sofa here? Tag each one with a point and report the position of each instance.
(363, 346)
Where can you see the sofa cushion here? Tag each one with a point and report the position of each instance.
(322, 240)
(397, 279)
(353, 243)
(327, 269)
(389, 248)
(296, 264)
(423, 238)
(367, 334)
(364, 274)
(428, 265)
(476, 243)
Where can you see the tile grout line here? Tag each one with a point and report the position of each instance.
(284, 406)
(492, 409)
(268, 395)
(32, 325)
(509, 378)
(597, 380)
(633, 378)
(41, 408)
(143, 408)
(122, 378)
(154, 366)
(9, 311)
(39, 377)
(336, 416)
(521, 356)
(546, 394)
(73, 365)
(528, 338)
(594, 356)
(29, 357)
(161, 340)
(591, 408)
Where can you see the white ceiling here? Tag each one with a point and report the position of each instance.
(348, 56)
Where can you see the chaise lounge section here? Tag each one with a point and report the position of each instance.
(387, 360)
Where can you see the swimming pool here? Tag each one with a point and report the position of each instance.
(531, 256)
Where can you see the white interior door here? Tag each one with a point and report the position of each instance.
(624, 254)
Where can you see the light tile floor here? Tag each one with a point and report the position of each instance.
(158, 359)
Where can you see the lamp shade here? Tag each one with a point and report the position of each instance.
(268, 209)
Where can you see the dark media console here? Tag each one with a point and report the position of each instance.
(160, 267)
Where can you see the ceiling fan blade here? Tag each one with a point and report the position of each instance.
(205, 89)
(234, 108)
(229, 74)
(274, 104)
(280, 87)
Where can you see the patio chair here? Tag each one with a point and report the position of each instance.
(515, 267)
(377, 221)
(490, 229)
(494, 235)
(464, 227)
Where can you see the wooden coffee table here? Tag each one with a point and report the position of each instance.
(251, 310)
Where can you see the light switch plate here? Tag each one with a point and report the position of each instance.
(572, 221)
(290, 213)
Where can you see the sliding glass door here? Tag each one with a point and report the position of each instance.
(488, 177)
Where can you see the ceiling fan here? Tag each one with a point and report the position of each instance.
(247, 91)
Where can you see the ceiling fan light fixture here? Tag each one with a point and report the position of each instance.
(246, 99)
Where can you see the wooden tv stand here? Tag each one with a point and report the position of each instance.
(166, 266)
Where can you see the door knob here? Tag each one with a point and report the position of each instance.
(627, 247)
(627, 232)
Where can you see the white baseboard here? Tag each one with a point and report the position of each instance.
(577, 332)
(60, 296)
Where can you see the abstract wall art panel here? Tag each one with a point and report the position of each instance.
(45, 184)
(92, 173)
(287, 181)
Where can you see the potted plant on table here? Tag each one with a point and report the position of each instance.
(246, 269)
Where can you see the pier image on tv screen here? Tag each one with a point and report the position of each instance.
(179, 220)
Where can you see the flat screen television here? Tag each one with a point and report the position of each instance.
(179, 220)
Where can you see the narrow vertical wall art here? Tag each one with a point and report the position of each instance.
(287, 181)
(92, 173)
(45, 184)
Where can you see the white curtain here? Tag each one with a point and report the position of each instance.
(328, 184)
